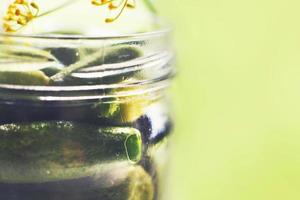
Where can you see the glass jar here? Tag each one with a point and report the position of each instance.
(84, 118)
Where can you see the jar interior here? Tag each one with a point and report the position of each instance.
(84, 118)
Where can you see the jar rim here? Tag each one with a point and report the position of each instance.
(159, 57)
(162, 30)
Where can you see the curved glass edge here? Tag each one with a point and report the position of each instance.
(138, 87)
(164, 29)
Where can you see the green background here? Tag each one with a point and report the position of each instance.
(237, 99)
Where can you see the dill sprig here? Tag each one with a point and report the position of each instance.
(119, 6)
(22, 12)
(19, 14)
(115, 5)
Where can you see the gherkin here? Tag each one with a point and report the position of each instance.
(116, 181)
(24, 78)
(62, 150)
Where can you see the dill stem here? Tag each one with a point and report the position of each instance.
(57, 8)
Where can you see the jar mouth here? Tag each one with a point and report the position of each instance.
(146, 58)
(162, 30)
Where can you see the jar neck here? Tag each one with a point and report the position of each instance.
(94, 69)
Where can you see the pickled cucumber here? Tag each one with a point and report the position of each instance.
(62, 150)
(117, 181)
(24, 78)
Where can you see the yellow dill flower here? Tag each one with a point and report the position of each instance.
(19, 14)
(118, 5)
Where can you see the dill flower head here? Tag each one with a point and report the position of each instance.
(18, 14)
(115, 5)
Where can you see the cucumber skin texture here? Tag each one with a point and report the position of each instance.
(54, 150)
(24, 78)
(124, 182)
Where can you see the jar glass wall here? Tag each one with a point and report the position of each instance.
(84, 118)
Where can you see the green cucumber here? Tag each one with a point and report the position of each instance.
(113, 181)
(24, 53)
(59, 149)
(24, 78)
